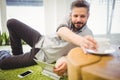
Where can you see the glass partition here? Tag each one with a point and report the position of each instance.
(104, 16)
(31, 12)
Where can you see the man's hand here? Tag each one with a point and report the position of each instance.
(88, 42)
(61, 66)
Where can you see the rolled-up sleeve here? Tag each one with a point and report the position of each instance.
(65, 23)
(61, 25)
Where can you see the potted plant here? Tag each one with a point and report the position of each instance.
(5, 38)
(1, 39)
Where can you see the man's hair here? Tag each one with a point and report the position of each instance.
(80, 3)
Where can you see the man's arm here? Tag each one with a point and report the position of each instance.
(83, 42)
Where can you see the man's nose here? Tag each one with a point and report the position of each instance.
(78, 19)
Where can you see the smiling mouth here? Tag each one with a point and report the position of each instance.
(79, 24)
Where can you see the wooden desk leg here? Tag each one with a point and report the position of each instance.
(74, 72)
(76, 60)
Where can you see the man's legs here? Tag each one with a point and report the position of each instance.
(19, 61)
(19, 31)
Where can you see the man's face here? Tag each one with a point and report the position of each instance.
(79, 16)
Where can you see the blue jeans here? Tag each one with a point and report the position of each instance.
(4, 54)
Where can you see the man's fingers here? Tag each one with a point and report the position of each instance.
(61, 69)
(84, 50)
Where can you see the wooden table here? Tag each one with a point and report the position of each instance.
(93, 67)
(108, 68)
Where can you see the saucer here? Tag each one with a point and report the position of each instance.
(107, 51)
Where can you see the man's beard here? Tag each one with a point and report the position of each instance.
(80, 25)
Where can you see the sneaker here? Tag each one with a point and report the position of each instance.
(4, 54)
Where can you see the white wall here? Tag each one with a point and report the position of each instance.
(55, 12)
(62, 10)
(50, 13)
(3, 15)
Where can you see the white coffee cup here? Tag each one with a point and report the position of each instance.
(103, 44)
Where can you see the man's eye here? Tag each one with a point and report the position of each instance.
(82, 16)
(75, 15)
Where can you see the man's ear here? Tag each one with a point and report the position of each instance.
(88, 15)
(70, 15)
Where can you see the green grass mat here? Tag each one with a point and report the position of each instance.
(13, 74)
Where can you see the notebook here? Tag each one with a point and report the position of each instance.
(47, 70)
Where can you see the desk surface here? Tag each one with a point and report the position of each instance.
(108, 68)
